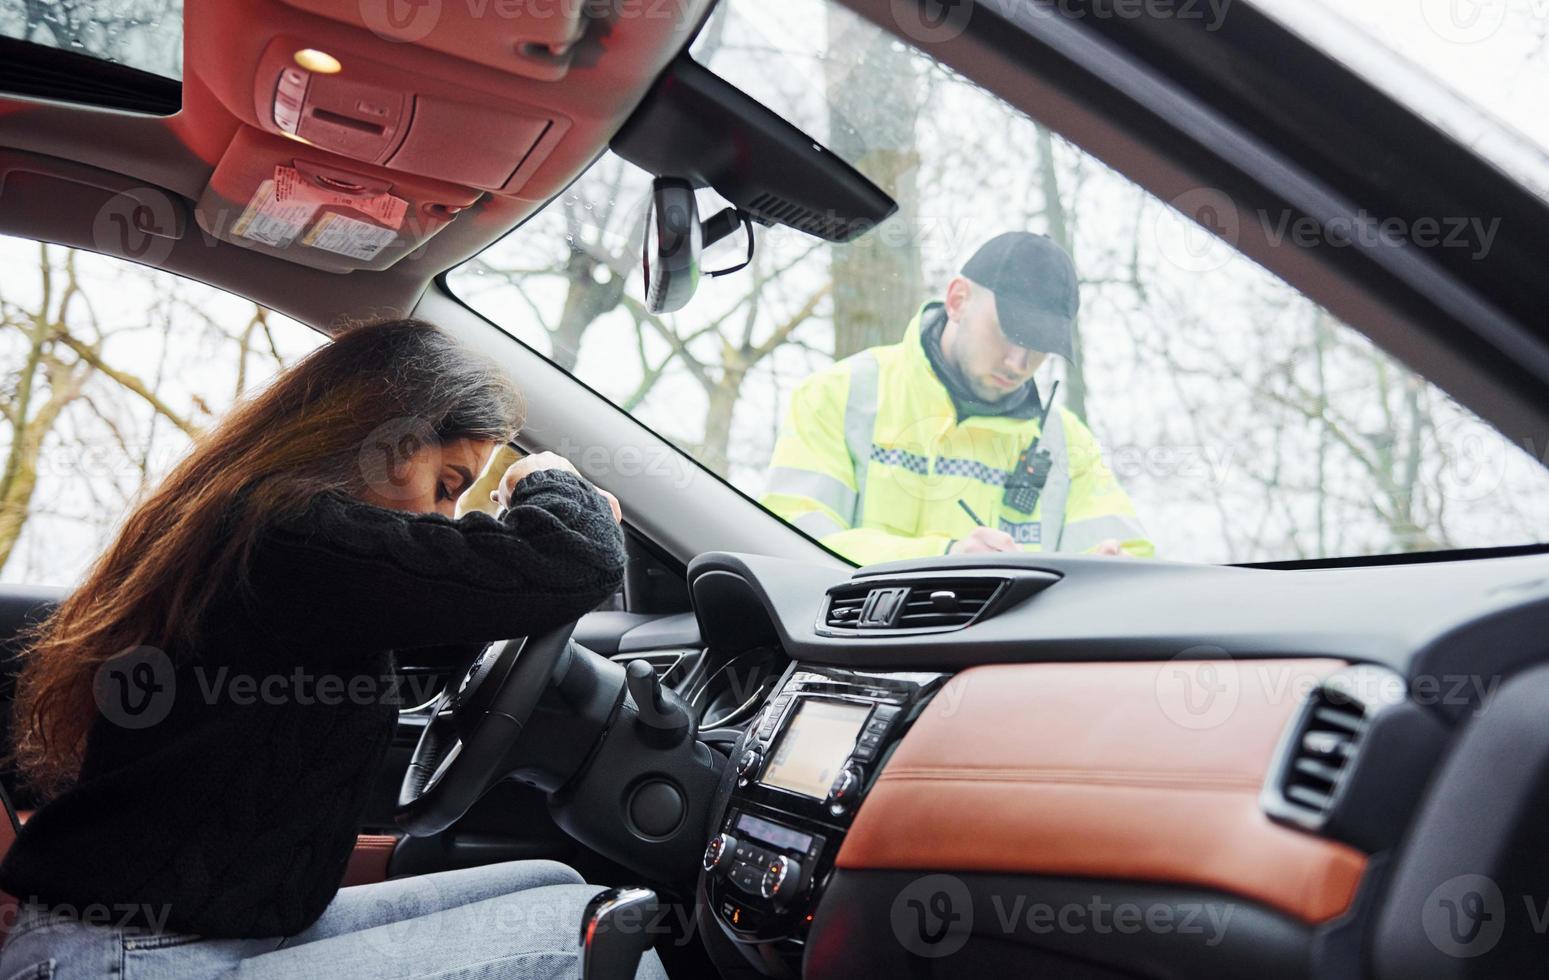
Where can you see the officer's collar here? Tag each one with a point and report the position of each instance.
(1024, 403)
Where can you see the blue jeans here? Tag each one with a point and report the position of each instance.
(520, 920)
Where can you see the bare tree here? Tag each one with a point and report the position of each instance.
(59, 366)
(732, 344)
(873, 101)
(603, 220)
(1060, 228)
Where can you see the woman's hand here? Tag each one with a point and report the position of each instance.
(613, 502)
(528, 465)
(524, 467)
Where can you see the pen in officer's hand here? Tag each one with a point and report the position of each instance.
(969, 511)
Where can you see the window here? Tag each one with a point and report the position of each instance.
(1216, 408)
(108, 368)
(143, 34)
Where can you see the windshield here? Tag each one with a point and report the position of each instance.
(1033, 353)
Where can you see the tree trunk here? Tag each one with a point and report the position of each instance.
(714, 450)
(1061, 231)
(26, 447)
(1320, 344)
(878, 283)
(586, 299)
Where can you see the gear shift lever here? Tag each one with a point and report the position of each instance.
(615, 933)
(664, 718)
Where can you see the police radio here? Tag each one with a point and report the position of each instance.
(1027, 479)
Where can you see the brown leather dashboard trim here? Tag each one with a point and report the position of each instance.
(1127, 771)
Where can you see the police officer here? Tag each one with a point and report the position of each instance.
(942, 443)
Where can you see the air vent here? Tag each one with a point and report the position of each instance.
(1323, 750)
(947, 604)
(844, 606)
(925, 605)
(1319, 751)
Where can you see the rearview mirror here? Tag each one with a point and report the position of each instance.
(673, 241)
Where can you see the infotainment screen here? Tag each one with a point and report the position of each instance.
(816, 743)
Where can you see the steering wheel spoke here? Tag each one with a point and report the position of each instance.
(465, 745)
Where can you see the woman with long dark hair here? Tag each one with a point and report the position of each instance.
(203, 819)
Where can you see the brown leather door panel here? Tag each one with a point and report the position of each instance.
(1130, 771)
(369, 860)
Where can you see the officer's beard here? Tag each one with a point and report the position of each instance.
(994, 394)
(970, 396)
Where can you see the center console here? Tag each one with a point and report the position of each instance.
(799, 773)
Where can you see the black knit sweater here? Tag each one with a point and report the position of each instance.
(235, 813)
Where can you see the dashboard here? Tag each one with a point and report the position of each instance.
(1106, 768)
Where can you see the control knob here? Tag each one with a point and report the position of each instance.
(784, 879)
(841, 796)
(718, 853)
(747, 765)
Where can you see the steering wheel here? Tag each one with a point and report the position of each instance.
(473, 728)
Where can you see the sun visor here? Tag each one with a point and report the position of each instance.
(299, 203)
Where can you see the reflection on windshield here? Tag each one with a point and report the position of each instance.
(888, 396)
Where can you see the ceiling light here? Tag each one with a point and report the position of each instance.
(317, 61)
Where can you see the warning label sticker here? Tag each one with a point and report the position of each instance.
(347, 236)
(269, 222)
(290, 187)
(284, 205)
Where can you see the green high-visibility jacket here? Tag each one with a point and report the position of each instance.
(872, 461)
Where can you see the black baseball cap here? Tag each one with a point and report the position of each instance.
(1034, 282)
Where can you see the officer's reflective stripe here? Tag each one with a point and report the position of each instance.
(945, 465)
(826, 490)
(1022, 532)
(817, 524)
(973, 469)
(913, 462)
(1083, 535)
(1057, 490)
(860, 419)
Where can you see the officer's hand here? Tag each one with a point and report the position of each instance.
(1109, 547)
(982, 540)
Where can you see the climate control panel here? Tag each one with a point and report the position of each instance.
(798, 775)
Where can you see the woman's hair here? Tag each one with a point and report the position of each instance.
(379, 392)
